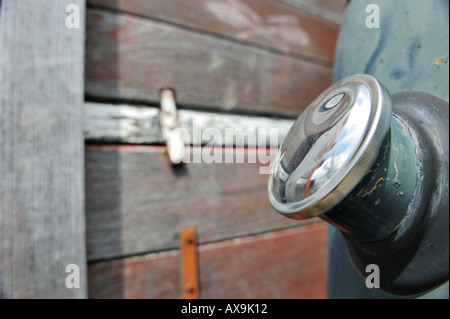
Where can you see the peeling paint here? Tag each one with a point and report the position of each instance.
(237, 14)
(396, 172)
(440, 61)
(381, 179)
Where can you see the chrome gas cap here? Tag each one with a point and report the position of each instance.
(330, 148)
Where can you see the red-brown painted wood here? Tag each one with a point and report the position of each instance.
(136, 202)
(284, 264)
(268, 23)
(332, 10)
(132, 58)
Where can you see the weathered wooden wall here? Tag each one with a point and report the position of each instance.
(42, 221)
(207, 71)
(283, 264)
(140, 124)
(232, 63)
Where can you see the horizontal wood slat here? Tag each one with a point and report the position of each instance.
(284, 264)
(110, 123)
(136, 202)
(332, 10)
(263, 22)
(131, 58)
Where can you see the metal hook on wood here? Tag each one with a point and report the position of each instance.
(169, 125)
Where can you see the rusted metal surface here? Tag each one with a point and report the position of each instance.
(189, 263)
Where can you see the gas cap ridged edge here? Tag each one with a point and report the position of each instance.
(361, 161)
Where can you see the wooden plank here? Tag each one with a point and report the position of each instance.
(130, 58)
(189, 263)
(136, 202)
(332, 10)
(42, 225)
(284, 264)
(263, 22)
(111, 123)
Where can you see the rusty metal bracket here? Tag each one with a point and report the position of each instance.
(189, 263)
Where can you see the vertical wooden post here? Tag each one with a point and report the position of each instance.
(42, 224)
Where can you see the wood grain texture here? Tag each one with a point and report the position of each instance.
(332, 10)
(131, 58)
(112, 123)
(136, 202)
(284, 264)
(42, 225)
(263, 22)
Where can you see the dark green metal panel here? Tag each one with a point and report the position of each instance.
(408, 52)
(379, 203)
